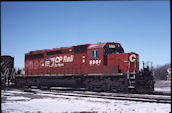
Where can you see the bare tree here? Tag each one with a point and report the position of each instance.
(160, 72)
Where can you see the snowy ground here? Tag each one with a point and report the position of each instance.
(13, 101)
(163, 85)
(25, 102)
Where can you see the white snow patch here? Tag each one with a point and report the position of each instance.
(59, 104)
(18, 98)
(6, 94)
(162, 83)
(164, 89)
(16, 91)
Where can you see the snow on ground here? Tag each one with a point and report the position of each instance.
(164, 89)
(27, 102)
(17, 98)
(163, 85)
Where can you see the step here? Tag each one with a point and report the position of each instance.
(131, 87)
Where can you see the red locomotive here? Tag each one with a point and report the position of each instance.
(102, 66)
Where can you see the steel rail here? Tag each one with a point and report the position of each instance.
(116, 96)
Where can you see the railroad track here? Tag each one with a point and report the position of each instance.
(104, 95)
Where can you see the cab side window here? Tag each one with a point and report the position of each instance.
(94, 53)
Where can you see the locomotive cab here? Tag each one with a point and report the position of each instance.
(125, 62)
(111, 49)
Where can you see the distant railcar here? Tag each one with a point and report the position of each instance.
(103, 66)
(7, 69)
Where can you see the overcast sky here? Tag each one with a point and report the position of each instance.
(140, 26)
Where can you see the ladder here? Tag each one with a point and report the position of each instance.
(131, 76)
(131, 80)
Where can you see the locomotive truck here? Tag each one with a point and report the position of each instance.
(100, 66)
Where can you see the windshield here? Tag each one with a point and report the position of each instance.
(113, 50)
